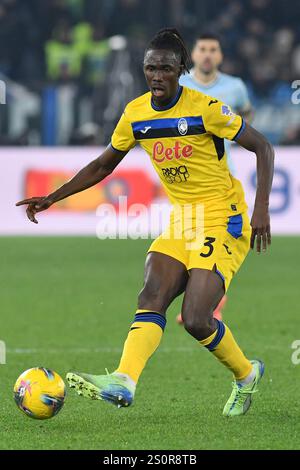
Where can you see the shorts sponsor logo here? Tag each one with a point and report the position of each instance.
(177, 174)
(227, 249)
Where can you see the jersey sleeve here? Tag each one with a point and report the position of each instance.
(123, 138)
(220, 120)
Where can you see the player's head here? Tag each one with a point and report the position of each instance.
(166, 58)
(207, 53)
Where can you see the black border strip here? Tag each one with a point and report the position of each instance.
(168, 132)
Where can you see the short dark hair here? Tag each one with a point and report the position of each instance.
(209, 35)
(171, 39)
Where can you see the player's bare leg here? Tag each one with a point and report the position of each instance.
(203, 292)
(165, 279)
(217, 313)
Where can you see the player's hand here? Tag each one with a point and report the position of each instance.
(35, 204)
(261, 230)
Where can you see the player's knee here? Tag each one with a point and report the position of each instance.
(156, 297)
(199, 326)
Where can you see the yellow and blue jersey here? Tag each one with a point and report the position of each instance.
(232, 90)
(185, 142)
(228, 88)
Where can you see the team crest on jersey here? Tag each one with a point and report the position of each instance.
(182, 126)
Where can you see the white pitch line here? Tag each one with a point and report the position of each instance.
(87, 350)
(117, 350)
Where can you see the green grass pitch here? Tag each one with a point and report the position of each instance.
(66, 303)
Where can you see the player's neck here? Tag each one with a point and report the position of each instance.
(168, 103)
(205, 78)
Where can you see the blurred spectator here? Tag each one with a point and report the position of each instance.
(63, 59)
(96, 57)
(16, 38)
(260, 37)
(67, 42)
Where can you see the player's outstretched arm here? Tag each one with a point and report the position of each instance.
(90, 175)
(252, 140)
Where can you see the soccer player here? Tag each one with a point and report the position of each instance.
(182, 131)
(206, 77)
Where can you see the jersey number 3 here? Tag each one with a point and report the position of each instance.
(209, 243)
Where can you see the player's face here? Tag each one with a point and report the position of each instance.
(207, 55)
(162, 70)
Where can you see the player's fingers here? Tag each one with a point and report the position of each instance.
(31, 200)
(258, 241)
(269, 237)
(264, 241)
(30, 214)
(252, 239)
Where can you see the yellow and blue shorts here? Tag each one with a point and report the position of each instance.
(222, 247)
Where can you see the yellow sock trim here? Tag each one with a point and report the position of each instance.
(142, 311)
(208, 340)
(229, 353)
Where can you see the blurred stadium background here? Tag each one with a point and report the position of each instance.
(71, 65)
